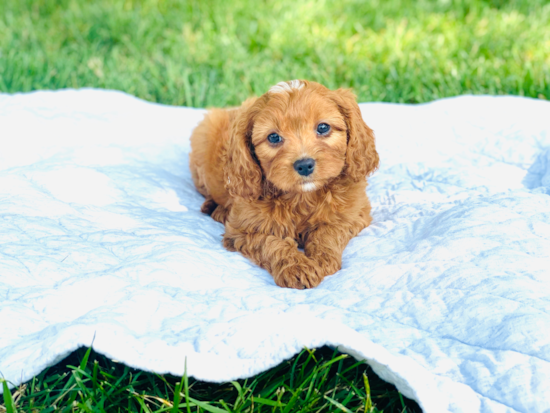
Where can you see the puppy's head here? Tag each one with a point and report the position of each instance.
(299, 136)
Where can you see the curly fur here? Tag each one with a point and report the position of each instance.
(268, 209)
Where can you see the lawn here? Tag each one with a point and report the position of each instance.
(217, 53)
(321, 380)
(209, 53)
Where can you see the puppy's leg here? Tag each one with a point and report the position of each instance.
(208, 206)
(326, 244)
(288, 266)
(220, 214)
(217, 212)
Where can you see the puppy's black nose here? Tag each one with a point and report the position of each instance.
(304, 167)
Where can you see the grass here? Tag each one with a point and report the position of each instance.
(216, 53)
(320, 380)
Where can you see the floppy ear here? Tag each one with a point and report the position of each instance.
(361, 156)
(242, 172)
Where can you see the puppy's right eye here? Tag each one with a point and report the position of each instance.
(274, 138)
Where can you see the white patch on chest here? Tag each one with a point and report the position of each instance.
(283, 87)
(309, 186)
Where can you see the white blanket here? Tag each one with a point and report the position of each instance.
(446, 294)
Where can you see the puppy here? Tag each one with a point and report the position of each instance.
(285, 171)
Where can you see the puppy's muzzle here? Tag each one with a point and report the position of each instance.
(305, 166)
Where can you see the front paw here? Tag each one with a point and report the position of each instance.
(328, 263)
(229, 243)
(220, 214)
(208, 206)
(299, 275)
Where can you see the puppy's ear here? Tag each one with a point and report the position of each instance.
(361, 156)
(242, 172)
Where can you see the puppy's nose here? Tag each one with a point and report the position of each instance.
(305, 166)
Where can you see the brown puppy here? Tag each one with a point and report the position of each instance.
(287, 170)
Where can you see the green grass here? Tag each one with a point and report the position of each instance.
(314, 381)
(217, 53)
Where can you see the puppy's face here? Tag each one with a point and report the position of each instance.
(300, 137)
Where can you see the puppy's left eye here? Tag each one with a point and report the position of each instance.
(323, 129)
(274, 138)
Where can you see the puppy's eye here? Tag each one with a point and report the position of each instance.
(274, 138)
(323, 129)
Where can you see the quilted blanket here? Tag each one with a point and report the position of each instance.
(446, 294)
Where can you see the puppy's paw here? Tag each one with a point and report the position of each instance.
(208, 206)
(229, 243)
(328, 263)
(220, 214)
(300, 275)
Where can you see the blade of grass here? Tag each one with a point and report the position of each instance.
(337, 404)
(368, 400)
(186, 386)
(225, 406)
(293, 369)
(94, 377)
(142, 404)
(177, 396)
(338, 374)
(240, 397)
(206, 406)
(8, 400)
(402, 402)
(84, 361)
(310, 387)
(268, 402)
(293, 399)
